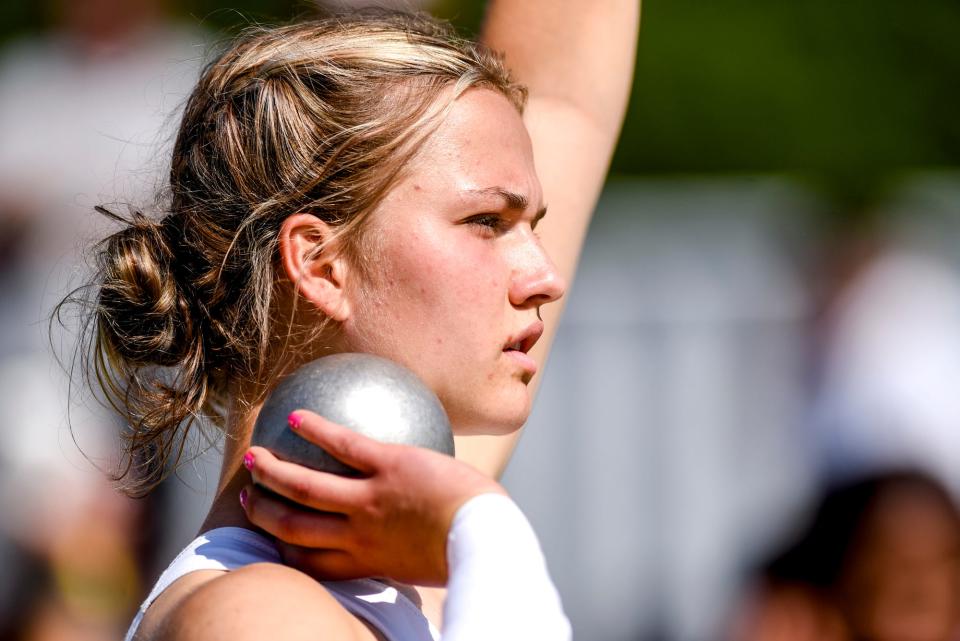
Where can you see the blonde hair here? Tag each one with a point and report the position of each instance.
(317, 117)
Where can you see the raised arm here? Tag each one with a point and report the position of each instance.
(576, 57)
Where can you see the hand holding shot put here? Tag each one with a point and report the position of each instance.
(379, 501)
(392, 520)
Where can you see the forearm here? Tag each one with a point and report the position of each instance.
(578, 52)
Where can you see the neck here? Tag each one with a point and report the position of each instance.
(226, 510)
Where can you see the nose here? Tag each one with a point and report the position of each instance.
(535, 280)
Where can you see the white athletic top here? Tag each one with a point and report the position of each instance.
(229, 548)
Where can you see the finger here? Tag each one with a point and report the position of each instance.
(349, 447)
(325, 565)
(312, 488)
(294, 524)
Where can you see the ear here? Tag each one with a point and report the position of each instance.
(313, 264)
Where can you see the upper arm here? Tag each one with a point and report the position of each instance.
(261, 601)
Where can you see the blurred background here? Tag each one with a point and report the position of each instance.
(750, 425)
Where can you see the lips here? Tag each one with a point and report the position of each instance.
(526, 339)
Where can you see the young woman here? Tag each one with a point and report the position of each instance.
(368, 184)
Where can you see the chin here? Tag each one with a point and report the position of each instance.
(506, 420)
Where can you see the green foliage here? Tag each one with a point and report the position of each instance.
(848, 91)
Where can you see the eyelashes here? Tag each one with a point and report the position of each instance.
(490, 223)
(496, 224)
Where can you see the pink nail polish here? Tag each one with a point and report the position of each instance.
(248, 460)
(243, 498)
(294, 421)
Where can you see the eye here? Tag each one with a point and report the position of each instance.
(488, 223)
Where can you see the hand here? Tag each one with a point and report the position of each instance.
(391, 522)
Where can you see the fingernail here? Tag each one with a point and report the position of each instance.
(294, 421)
(243, 498)
(248, 460)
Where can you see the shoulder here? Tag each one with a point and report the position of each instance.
(261, 601)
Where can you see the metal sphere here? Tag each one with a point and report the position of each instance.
(368, 394)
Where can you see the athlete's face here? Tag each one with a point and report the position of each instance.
(459, 272)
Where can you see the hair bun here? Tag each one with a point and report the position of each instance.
(142, 314)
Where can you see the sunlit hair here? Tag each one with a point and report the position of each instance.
(318, 117)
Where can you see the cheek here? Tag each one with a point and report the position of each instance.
(436, 302)
(449, 278)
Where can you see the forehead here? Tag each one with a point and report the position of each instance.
(480, 148)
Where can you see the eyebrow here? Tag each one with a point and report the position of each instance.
(511, 198)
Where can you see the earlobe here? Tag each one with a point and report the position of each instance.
(313, 265)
